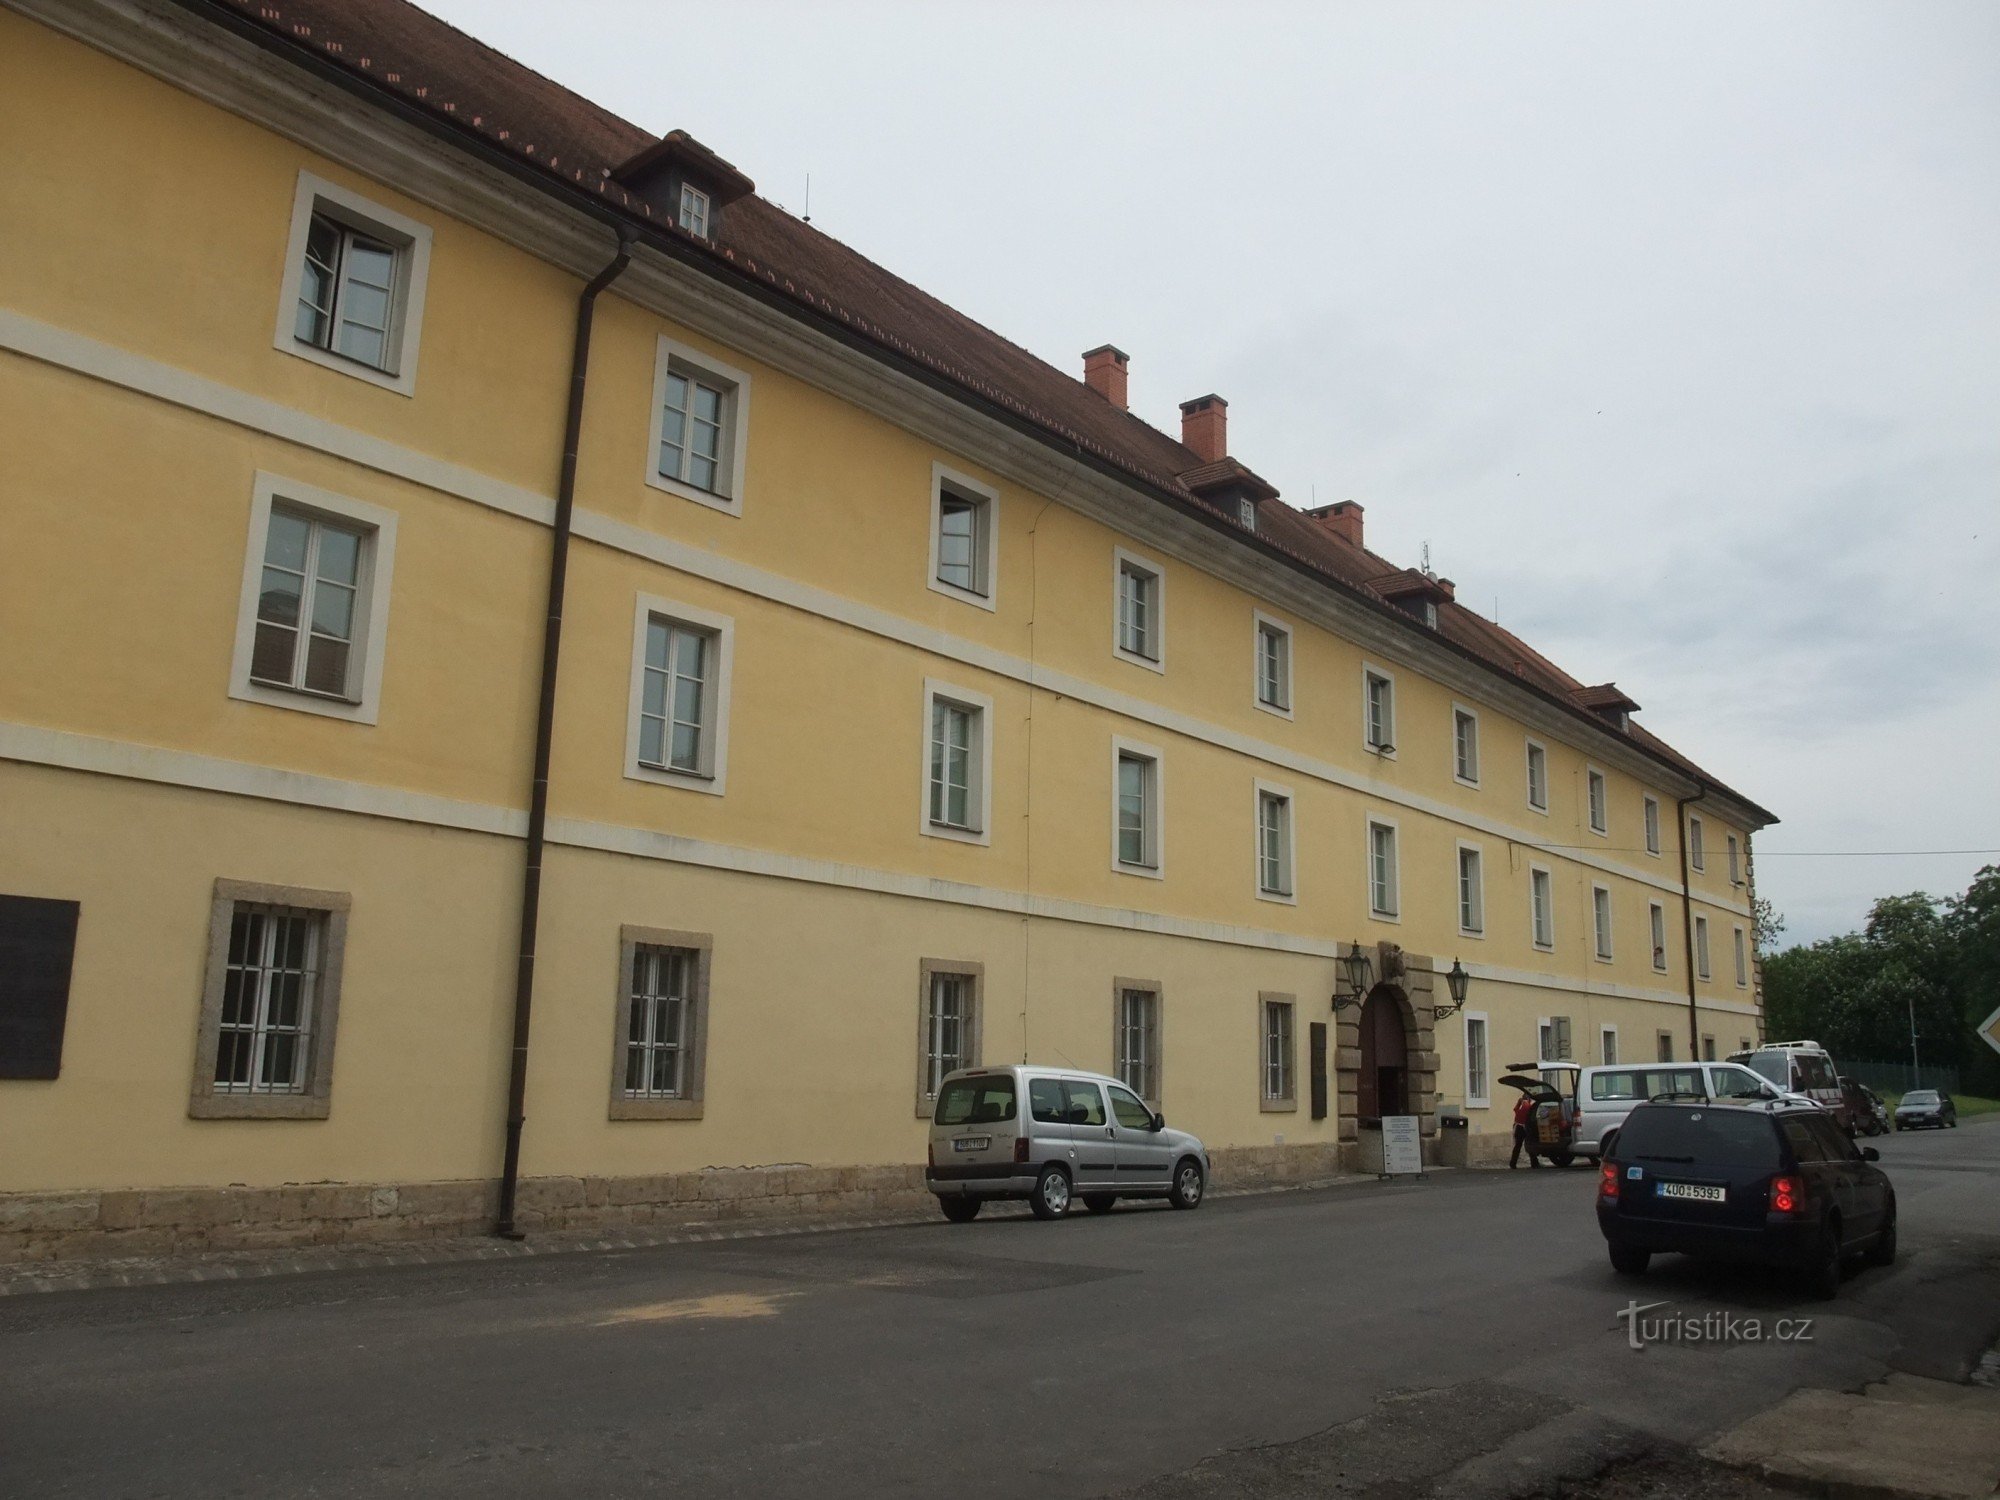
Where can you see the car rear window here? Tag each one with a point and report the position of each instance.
(976, 1101)
(1726, 1137)
(1774, 1066)
(1815, 1072)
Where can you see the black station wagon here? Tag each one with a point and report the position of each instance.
(1776, 1183)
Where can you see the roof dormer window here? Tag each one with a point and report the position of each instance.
(1246, 512)
(694, 210)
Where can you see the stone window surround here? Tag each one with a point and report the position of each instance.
(691, 1107)
(1289, 1103)
(315, 1103)
(1157, 1049)
(974, 1022)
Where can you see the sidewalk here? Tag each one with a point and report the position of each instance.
(27, 1277)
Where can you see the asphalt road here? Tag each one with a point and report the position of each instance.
(1455, 1336)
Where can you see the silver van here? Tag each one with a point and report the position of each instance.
(1605, 1095)
(1051, 1136)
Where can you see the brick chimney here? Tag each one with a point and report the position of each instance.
(1104, 372)
(1205, 427)
(1342, 518)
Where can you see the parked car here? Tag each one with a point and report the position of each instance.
(1922, 1108)
(1796, 1068)
(1605, 1095)
(1552, 1126)
(1865, 1113)
(1777, 1183)
(1051, 1136)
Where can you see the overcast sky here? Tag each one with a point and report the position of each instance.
(1673, 329)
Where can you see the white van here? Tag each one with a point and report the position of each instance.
(1605, 1095)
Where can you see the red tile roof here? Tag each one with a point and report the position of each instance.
(432, 66)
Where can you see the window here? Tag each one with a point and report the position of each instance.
(352, 298)
(1538, 777)
(1478, 1073)
(1652, 825)
(1742, 960)
(1554, 1038)
(1378, 710)
(678, 728)
(1274, 666)
(1666, 1046)
(694, 210)
(1141, 611)
(265, 1045)
(1128, 1109)
(1658, 916)
(1465, 745)
(1600, 910)
(1246, 513)
(958, 747)
(1274, 842)
(1697, 856)
(1382, 873)
(313, 615)
(1607, 1045)
(1735, 861)
(701, 412)
(1599, 816)
(962, 537)
(1280, 1059)
(1541, 906)
(1701, 946)
(1135, 815)
(662, 1025)
(1136, 1044)
(948, 1024)
(1708, 1049)
(1471, 892)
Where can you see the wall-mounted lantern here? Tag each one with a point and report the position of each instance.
(1456, 980)
(1360, 972)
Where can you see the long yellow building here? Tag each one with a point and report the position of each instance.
(541, 689)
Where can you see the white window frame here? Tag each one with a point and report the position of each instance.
(715, 780)
(972, 976)
(980, 792)
(986, 538)
(1288, 842)
(1607, 1055)
(1735, 859)
(1478, 853)
(1483, 1099)
(1547, 909)
(1549, 1035)
(1395, 912)
(1742, 957)
(1656, 932)
(413, 266)
(1155, 807)
(1652, 825)
(1124, 560)
(1261, 625)
(1701, 963)
(1284, 1042)
(376, 575)
(1597, 801)
(1460, 711)
(1603, 923)
(703, 214)
(1536, 747)
(674, 358)
(1387, 750)
(1697, 847)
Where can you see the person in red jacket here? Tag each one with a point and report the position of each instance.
(1524, 1121)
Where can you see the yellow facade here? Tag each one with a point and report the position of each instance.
(141, 397)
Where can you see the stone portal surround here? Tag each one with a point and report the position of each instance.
(1412, 977)
(145, 1221)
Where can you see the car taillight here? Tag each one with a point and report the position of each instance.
(1607, 1182)
(930, 1154)
(1020, 1148)
(1788, 1195)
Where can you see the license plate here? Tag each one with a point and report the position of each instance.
(1700, 1192)
(972, 1143)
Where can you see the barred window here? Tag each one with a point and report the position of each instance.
(269, 992)
(656, 1044)
(1138, 1040)
(1279, 1087)
(947, 1024)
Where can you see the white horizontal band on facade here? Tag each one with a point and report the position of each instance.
(142, 374)
(62, 750)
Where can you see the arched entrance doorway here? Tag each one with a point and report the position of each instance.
(1384, 1085)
